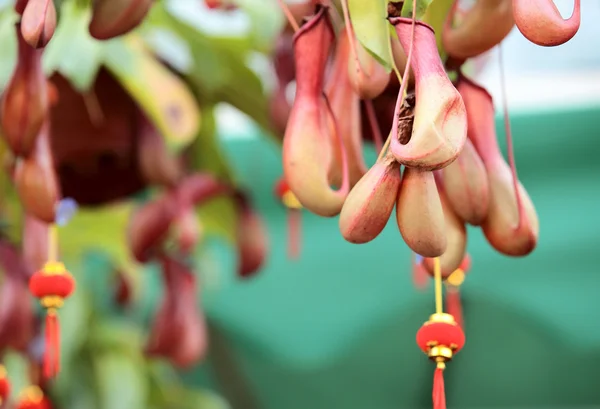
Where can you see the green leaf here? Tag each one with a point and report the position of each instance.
(11, 211)
(265, 23)
(121, 381)
(4, 4)
(369, 19)
(17, 369)
(160, 376)
(422, 6)
(209, 64)
(219, 216)
(116, 335)
(103, 229)
(435, 16)
(8, 50)
(205, 399)
(246, 94)
(75, 317)
(220, 71)
(196, 399)
(205, 152)
(73, 52)
(170, 48)
(162, 95)
(84, 395)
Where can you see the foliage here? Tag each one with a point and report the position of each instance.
(100, 350)
(104, 366)
(367, 17)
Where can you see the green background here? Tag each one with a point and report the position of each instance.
(336, 329)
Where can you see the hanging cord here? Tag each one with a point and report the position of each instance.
(437, 276)
(438, 393)
(52, 243)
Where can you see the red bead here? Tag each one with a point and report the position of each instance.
(218, 4)
(465, 265)
(43, 285)
(281, 188)
(4, 388)
(29, 404)
(440, 333)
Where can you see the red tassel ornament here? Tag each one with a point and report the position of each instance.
(440, 338)
(291, 202)
(454, 304)
(419, 274)
(33, 398)
(4, 385)
(453, 284)
(52, 285)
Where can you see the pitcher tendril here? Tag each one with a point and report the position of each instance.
(288, 15)
(509, 140)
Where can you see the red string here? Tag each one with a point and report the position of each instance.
(420, 276)
(56, 345)
(439, 396)
(454, 305)
(294, 233)
(52, 345)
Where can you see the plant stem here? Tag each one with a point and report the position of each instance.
(509, 140)
(385, 147)
(92, 105)
(394, 9)
(351, 36)
(335, 14)
(404, 84)
(288, 14)
(377, 138)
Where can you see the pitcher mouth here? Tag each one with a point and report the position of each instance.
(405, 20)
(461, 77)
(96, 163)
(310, 21)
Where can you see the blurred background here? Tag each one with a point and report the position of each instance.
(336, 327)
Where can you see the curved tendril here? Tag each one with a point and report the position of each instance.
(288, 15)
(448, 23)
(351, 37)
(344, 157)
(335, 14)
(377, 138)
(509, 140)
(404, 84)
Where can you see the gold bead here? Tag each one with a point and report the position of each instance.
(52, 301)
(440, 353)
(290, 200)
(441, 317)
(456, 278)
(54, 267)
(32, 394)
